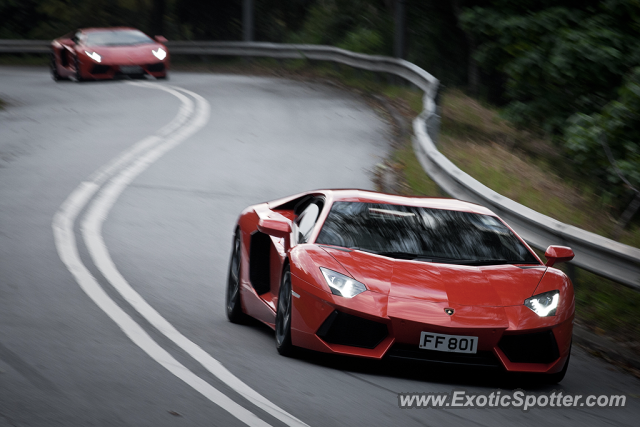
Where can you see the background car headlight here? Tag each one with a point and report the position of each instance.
(94, 56)
(342, 285)
(544, 304)
(160, 53)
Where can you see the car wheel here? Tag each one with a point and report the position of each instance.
(558, 376)
(233, 299)
(54, 69)
(283, 316)
(78, 73)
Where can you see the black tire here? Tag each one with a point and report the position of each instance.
(233, 298)
(283, 316)
(558, 376)
(54, 69)
(78, 74)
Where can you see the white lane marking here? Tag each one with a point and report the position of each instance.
(67, 249)
(63, 225)
(185, 111)
(92, 233)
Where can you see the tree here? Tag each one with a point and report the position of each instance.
(559, 57)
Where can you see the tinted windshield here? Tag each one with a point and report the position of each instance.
(435, 235)
(116, 38)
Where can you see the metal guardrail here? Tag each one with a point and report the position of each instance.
(25, 46)
(595, 253)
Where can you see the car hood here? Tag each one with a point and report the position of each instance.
(127, 54)
(488, 286)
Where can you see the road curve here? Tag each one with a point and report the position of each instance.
(153, 236)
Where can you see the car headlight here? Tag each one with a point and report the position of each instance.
(94, 56)
(160, 53)
(342, 285)
(544, 304)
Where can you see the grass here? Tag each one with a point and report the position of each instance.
(414, 182)
(606, 307)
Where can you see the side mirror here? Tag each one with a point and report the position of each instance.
(556, 254)
(275, 227)
(161, 39)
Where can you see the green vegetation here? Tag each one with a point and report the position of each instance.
(176, 19)
(415, 181)
(606, 307)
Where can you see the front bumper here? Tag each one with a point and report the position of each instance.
(374, 325)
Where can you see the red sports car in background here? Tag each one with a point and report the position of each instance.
(104, 53)
(367, 274)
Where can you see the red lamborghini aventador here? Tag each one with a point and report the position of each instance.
(367, 274)
(103, 53)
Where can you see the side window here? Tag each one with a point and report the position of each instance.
(305, 222)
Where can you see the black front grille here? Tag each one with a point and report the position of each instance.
(154, 68)
(345, 329)
(413, 352)
(100, 69)
(540, 347)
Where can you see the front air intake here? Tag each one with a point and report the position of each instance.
(100, 69)
(539, 347)
(155, 68)
(346, 329)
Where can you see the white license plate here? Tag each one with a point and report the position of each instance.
(131, 69)
(450, 343)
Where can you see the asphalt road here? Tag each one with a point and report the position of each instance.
(112, 283)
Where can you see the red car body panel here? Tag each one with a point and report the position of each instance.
(70, 58)
(407, 296)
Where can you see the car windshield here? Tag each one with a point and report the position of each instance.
(431, 235)
(117, 38)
